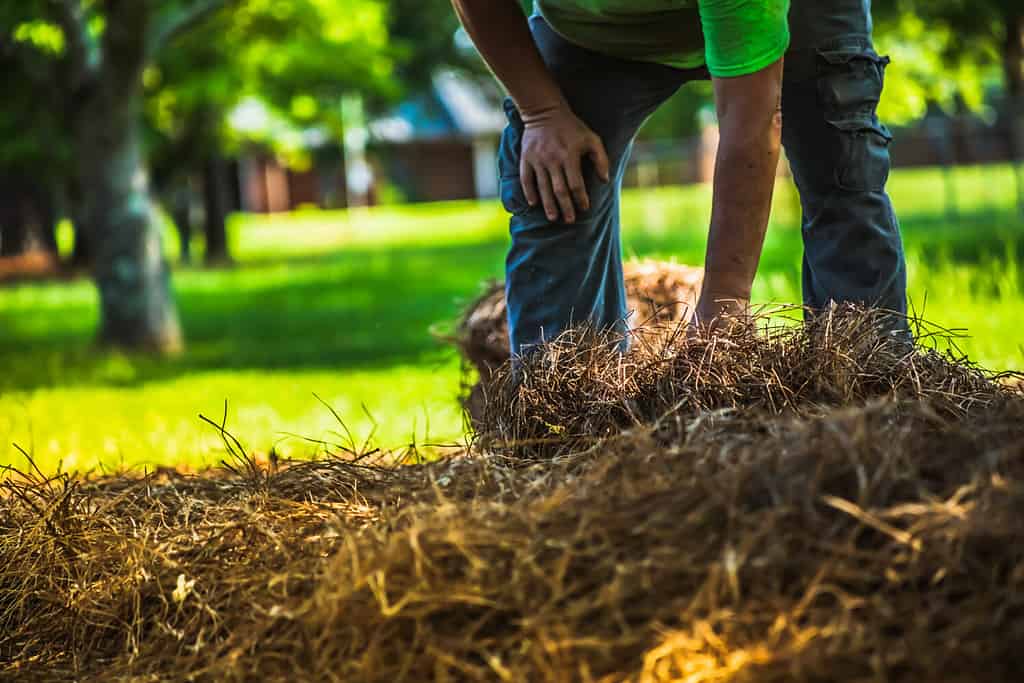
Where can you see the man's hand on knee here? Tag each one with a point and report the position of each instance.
(555, 140)
(555, 143)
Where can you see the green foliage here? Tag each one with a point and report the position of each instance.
(979, 25)
(204, 58)
(927, 69)
(343, 303)
(293, 58)
(946, 50)
(41, 35)
(679, 116)
(32, 138)
(312, 48)
(423, 36)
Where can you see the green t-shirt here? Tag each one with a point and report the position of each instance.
(733, 37)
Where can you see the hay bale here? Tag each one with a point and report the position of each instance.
(812, 504)
(661, 291)
(657, 292)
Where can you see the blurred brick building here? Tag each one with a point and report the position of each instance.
(443, 143)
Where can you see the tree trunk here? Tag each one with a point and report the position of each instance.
(15, 231)
(46, 214)
(215, 201)
(181, 214)
(82, 251)
(28, 217)
(115, 213)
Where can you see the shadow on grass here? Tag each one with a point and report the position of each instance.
(365, 308)
(352, 309)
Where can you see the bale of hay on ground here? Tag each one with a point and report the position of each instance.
(803, 504)
(657, 292)
(660, 294)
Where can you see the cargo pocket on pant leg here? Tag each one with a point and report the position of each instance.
(850, 80)
(850, 84)
(512, 197)
(863, 165)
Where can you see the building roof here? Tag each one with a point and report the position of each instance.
(457, 105)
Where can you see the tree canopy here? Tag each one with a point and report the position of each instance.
(949, 51)
(98, 65)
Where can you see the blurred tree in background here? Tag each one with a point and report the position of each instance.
(423, 35)
(945, 51)
(964, 32)
(112, 103)
(34, 157)
(95, 66)
(296, 58)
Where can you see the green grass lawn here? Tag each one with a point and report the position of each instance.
(344, 305)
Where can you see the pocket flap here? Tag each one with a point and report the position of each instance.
(858, 125)
(847, 55)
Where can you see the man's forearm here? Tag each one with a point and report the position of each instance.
(744, 181)
(502, 35)
(748, 156)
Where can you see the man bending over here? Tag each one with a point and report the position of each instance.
(583, 75)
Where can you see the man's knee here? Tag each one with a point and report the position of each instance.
(832, 134)
(850, 87)
(600, 194)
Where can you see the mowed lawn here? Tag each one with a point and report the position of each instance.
(349, 307)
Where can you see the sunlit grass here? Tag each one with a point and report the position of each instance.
(158, 422)
(344, 304)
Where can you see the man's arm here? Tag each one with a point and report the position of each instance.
(750, 123)
(555, 140)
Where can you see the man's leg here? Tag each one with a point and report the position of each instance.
(839, 153)
(559, 274)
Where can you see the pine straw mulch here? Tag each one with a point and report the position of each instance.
(810, 503)
(656, 292)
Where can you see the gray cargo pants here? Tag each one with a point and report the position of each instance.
(558, 275)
